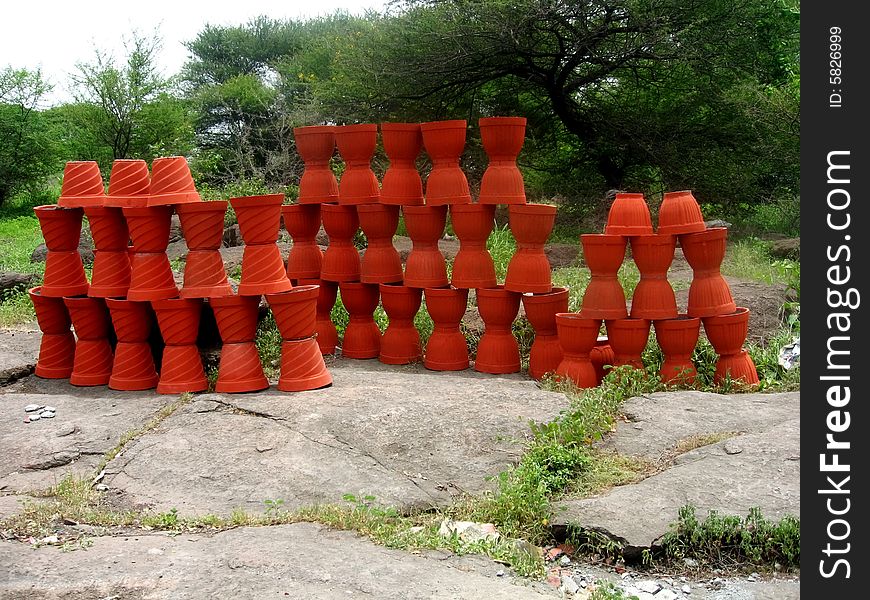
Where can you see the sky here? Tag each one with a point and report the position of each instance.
(56, 35)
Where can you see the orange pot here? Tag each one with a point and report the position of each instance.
(110, 275)
(498, 351)
(57, 346)
(502, 139)
(529, 268)
(64, 271)
(133, 366)
(677, 338)
(203, 226)
(240, 369)
(541, 310)
(473, 266)
(425, 266)
(316, 145)
(341, 261)
(302, 222)
(129, 184)
(295, 311)
(362, 338)
(653, 296)
(327, 335)
(709, 294)
(577, 337)
(302, 366)
(680, 213)
(444, 142)
(82, 185)
(627, 338)
(629, 216)
(446, 349)
(400, 343)
(602, 357)
(181, 368)
(263, 270)
(381, 262)
(92, 364)
(727, 333)
(356, 144)
(150, 272)
(604, 297)
(171, 182)
(402, 184)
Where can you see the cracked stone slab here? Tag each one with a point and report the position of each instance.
(19, 349)
(410, 437)
(302, 560)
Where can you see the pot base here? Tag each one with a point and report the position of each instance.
(56, 352)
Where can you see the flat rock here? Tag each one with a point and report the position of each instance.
(410, 437)
(19, 349)
(302, 560)
(13, 505)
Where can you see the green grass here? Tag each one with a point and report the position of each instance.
(749, 258)
(19, 235)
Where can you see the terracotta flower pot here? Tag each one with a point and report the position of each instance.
(295, 311)
(110, 275)
(629, 216)
(502, 139)
(602, 357)
(541, 310)
(425, 266)
(473, 266)
(82, 185)
(302, 222)
(627, 338)
(316, 145)
(653, 296)
(133, 366)
(577, 336)
(402, 184)
(680, 213)
(362, 338)
(498, 351)
(327, 335)
(341, 260)
(64, 271)
(604, 297)
(400, 343)
(677, 338)
(446, 349)
(263, 270)
(181, 369)
(356, 144)
(150, 272)
(129, 184)
(240, 369)
(529, 268)
(203, 227)
(727, 333)
(709, 294)
(381, 262)
(444, 142)
(93, 357)
(302, 366)
(57, 346)
(171, 182)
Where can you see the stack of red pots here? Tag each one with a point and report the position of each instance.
(302, 366)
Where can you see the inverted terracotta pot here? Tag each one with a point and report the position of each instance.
(263, 270)
(110, 274)
(64, 271)
(629, 216)
(736, 367)
(341, 260)
(473, 266)
(529, 268)
(327, 335)
(133, 365)
(604, 297)
(677, 338)
(577, 336)
(302, 366)
(444, 142)
(171, 182)
(602, 357)
(381, 262)
(93, 355)
(425, 266)
(498, 351)
(541, 310)
(653, 296)
(316, 145)
(446, 349)
(400, 343)
(402, 184)
(150, 272)
(295, 311)
(502, 139)
(727, 333)
(240, 369)
(82, 185)
(356, 144)
(181, 369)
(129, 184)
(203, 227)
(627, 338)
(709, 294)
(302, 222)
(680, 213)
(362, 338)
(57, 345)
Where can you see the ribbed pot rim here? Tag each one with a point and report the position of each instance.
(299, 293)
(376, 208)
(425, 209)
(493, 121)
(356, 128)
(709, 234)
(262, 200)
(532, 209)
(339, 208)
(144, 211)
(400, 127)
(170, 303)
(556, 292)
(231, 300)
(397, 288)
(472, 208)
(494, 292)
(205, 206)
(444, 291)
(313, 129)
(677, 194)
(603, 239)
(573, 317)
(653, 239)
(448, 124)
(728, 318)
(682, 319)
(629, 322)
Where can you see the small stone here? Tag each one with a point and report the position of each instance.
(581, 582)
(667, 595)
(646, 596)
(691, 563)
(499, 573)
(649, 586)
(32, 407)
(49, 408)
(34, 417)
(750, 578)
(66, 430)
(101, 487)
(569, 586)
(686, 589)
(564, 561)
(46, 414)
(668, 581)
(51, 539)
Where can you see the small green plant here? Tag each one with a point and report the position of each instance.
(274, 507)
(268, 343)
(606, 590)
(167, 520)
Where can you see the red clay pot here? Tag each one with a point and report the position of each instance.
(629, 216)
(653, 297)
(150, 272)
(627, 338)
(425, 266)
(402, 184)
(604, 297)
(203, 227)
(93, 357)
(181, 368)
(263, 270)
(327, 335)
(400, 343)
(341, 261)
(381, 262)
(302, 366)
(356, 144)
(444, 142)
(529, 268)
(362, 338)
(129, 184)
(446, 349)
(736, 367)
(171, 182)
(64, 271)
(577, 336)
(541, 310)
(680, 213)
(602, 357)
(295, 311)
(727, 333)
(473, 266)
(110, 275)
(677, 338)
(133, 366)
(240, 369)
(57, 346)
(82, 185)
(502, 139)
(709, 294)
(498, 351)
(302, 222)
(316, 145)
